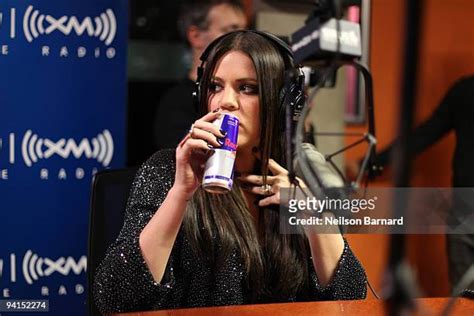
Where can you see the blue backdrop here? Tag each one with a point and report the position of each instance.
(62, 118)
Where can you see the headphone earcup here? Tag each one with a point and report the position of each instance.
(291, 96)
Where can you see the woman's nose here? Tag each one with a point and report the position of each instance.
(229, 100)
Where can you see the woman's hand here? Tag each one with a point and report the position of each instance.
(275, 182)
(193, 151)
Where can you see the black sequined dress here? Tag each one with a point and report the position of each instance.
(123, 281)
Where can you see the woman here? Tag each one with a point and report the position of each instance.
(182, 247)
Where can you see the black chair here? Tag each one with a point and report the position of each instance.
(110, 191)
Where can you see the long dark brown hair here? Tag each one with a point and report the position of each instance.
(276, 264)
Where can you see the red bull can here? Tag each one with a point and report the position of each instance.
(219, 168)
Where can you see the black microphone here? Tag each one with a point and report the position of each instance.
(316, 41)
(327, 178)
(322, 181)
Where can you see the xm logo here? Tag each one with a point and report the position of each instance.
(103, 26)
(34, 267)
(34, 148)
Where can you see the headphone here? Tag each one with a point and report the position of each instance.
(291, 94)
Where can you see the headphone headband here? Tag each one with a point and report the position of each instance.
(280, 44)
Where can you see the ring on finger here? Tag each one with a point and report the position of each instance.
(191, 130)
(267, 189)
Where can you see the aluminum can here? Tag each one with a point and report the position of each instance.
(219, 169)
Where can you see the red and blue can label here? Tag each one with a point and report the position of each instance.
(219, 169)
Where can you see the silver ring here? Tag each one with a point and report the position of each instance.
(191, 130)
(267, 189)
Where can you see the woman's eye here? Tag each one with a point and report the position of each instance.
(249, 89)
(214, 87)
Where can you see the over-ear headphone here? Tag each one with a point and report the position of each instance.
(291, 94)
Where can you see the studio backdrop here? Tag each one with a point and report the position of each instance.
(62, 118)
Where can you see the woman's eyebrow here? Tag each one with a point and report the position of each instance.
(216, 79)
(245, 79)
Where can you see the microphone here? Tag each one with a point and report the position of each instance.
(321, 180)
(316, 41)
(328, 185)
(327, 178)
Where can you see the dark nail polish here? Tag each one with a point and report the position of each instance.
(223, 132)
(210, 146)
(216, 110)
(220, 141)
(209, 151)
(255, 149)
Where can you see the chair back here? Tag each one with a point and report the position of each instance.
(110, 191)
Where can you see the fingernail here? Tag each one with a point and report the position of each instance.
(210, 146)
(255, 149)
(216, 110)
(223, 132)
(220, 141)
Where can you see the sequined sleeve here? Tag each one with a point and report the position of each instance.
(123, 281)
(348, 283)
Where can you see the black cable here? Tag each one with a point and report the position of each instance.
(400, 297)
(372, 289)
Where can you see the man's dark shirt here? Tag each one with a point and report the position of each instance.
(456, 112)
(174, 116)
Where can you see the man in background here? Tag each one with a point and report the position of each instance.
(454, 113)
(200, 22)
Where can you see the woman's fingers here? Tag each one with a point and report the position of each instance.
(270, 200)
(205, 123)
(260, 189)
(256, 180)
(205, 130)
(194, 150)
(275, 168)
(270, 191)
(191, 144)
(208, 127)
(207, 136)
